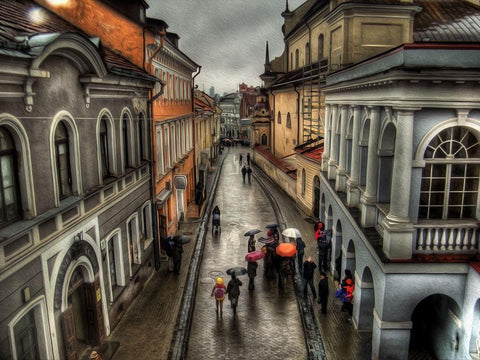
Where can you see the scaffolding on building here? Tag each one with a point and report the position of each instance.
(312, 102)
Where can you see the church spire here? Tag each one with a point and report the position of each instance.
(267, 57)
(286, 7)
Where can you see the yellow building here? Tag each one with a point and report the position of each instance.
(320, 38)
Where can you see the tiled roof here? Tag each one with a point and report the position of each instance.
(313, 153)
(15, 17)
(280, 163)
(447, 21)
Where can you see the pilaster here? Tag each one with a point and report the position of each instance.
(341, 177)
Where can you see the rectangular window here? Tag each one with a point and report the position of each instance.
(165, 88)
(179, 143)
(174, 153)
(170, 87)
(159, 152)
(166, 146)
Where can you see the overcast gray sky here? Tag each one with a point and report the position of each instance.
(226, 37)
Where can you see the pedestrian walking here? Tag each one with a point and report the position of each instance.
(300, 252)
(177, 252)
(241, 159)
(248, 158)
(251, 243)
(323, 292)
(268, 263)
(244, 172)
(251, 272)
(324, 245)
(219, 290)
(308, 268)
(348, 290)
(233, 291)
(249, 172)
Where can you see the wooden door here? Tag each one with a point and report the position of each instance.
(93, 308)
(69, 339)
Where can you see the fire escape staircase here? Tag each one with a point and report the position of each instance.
(311, 102)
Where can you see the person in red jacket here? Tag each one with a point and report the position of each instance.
(349, 288)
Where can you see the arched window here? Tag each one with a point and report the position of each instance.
(291, 61)
(104, 149)
(127, 161)
(304, 182)
(62, 153)
(307, 54)
(297, 59)
(320, 47)
(289, 121)
(451, 175)
(264, 139)
(9, 184)
(279, 118)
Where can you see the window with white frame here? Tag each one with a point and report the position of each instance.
(27, 334)
(157, 85)
(146, 226)
(450, 178)
(184, 147)
(159, 152)
(177, 88)
(170, 85)
(9, 185)
(126, 140)
(166, 147)
(165, 87)
(179, 142)
(174, 147)
(62, 158)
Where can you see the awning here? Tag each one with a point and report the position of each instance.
(163, 196)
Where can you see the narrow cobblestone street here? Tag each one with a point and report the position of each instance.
(267, 323)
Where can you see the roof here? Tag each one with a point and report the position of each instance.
(314, 153)
(16, 18)
(280, 163)
(438, 21)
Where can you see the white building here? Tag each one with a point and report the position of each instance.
(399, 188)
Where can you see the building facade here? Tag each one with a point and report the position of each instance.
(404, 213)
(76, 224)
(230, 120)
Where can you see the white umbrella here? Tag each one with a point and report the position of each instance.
(292, 233)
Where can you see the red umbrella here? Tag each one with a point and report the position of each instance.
(286, 249)
(254, 256)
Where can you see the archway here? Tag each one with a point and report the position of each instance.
(316, 197)
(474, 347)
(350, 262)
(436, 328)
(322, 209)
(337, 251)
(264, 140)
(365, 298)
(82, 318)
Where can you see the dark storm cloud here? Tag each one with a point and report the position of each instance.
(226, 37)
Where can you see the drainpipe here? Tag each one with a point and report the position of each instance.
(309, 43)
(298, 114)
(156, 237)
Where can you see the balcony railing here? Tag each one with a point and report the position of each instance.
(447, 238)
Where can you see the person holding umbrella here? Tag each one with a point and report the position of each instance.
(219, 290)
(233, 291)
(251, 272)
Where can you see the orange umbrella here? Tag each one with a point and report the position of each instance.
(286, 249)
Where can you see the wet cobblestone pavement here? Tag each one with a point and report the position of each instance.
(267, 324)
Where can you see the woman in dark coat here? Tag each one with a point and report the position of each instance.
(233, 291)
(251, 272)
(251, 243)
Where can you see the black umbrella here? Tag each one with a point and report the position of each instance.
(181, 239)
(252, 232)
(272, 226)
(238, 270)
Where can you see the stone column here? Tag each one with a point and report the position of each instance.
(326, 140)
(390, 339)
(341, 178)
(368, 199)
(332, 161)
(398, 234)
(353, 194)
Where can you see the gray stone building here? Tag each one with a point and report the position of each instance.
(399, 188)
(230, 118)
(75, 219)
